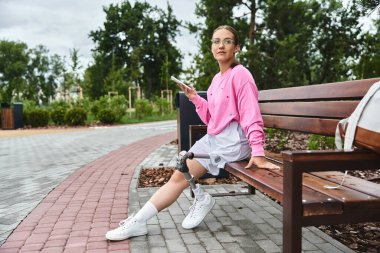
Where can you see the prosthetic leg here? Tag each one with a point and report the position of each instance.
(182, 166)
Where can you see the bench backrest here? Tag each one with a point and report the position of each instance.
(312, 109)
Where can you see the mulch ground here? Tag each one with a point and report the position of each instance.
(361, 237)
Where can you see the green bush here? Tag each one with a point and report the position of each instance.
(320, 142)
(84, 103)
(143, 108)
(60, 104)
(107, 116)
(58, 110)
(76, 117)
(164, 106)
(58, 115)
(37, 117)
(99, 104)
(28, 105)
(118, 104)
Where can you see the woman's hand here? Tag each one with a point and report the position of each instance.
(190, 93)
(261, 162)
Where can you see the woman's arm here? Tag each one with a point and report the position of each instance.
(201, 105)
(252, 124)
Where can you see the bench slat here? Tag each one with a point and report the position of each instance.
(327, 109)
(365, 187)
(271, 183)
(353, 200)
(335, 177)
(331, 160)
(310, 125)
(340, 90)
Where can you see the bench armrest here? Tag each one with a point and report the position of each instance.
(328, 160)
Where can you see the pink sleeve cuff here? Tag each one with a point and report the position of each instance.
(258, 150)
(196, 100)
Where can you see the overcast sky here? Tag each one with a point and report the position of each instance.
(62, 25)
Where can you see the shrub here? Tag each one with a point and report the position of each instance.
(164, 105)
(76, 117)
(84, 103)
(118, 104)
(58, 115)
(320, 142)
(37, 117)
(107, 116)
(60, 104)
(28, 105)
(143, 108)
(99, 104)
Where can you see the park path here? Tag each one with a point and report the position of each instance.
(32, 165)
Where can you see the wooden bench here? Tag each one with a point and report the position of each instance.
(299, 184)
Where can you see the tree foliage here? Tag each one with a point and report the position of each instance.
(13, 67)
(290, 43)
(136, 41)
(284, 43)
(28, 73)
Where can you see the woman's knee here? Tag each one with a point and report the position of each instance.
(195, 169)
(178, 178)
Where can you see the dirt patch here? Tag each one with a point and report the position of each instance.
(156, 177)
(37, 131)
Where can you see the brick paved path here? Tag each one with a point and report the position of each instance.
(75, 216)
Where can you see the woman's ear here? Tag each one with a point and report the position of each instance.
(237, 48)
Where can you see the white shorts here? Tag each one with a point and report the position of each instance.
(228, 146)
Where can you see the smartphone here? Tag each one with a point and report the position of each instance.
(180, 82)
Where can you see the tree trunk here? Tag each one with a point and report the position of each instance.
(252, 24)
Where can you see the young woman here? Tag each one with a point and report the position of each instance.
(234, 132)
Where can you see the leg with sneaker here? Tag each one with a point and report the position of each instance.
(203, 203)
(136, 225)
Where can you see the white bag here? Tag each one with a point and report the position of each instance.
(362, 128)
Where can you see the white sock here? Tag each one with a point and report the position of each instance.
(199, 193)
(146, 212)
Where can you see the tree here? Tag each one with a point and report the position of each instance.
(72, 79)
(36, 75)
(13, 66)
(43, 75)
(28, 73)
(370, 5)
(135, 41)
(215, 13)
(287, 42)
(369, 63)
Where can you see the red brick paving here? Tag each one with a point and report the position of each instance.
(75, 216)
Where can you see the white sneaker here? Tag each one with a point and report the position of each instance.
(198, 212)
(127, 228)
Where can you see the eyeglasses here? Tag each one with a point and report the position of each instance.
(226, 41)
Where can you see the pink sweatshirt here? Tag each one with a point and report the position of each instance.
(233, 96)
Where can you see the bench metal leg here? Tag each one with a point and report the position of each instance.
(292, 210)
(251, 189)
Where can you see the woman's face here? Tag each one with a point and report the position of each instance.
(223, 46)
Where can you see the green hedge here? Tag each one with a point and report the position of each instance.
(143, 108)
(107, 116)
(76, 117)
(37, 117)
